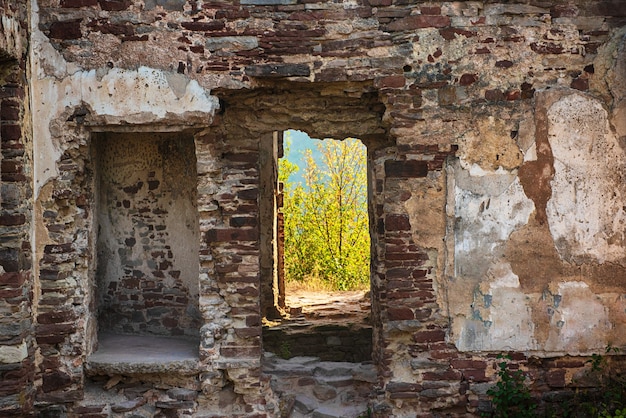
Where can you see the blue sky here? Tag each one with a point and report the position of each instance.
(295, 148)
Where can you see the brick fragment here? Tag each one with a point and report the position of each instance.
(65, 30)
(395, 222)
(429, 336)
(467, 79)
(580, 83)
(450, 34)
(406, 169)
(114, 5)
(204, 26)
(546, 48)
(494, 95)
(400, 314)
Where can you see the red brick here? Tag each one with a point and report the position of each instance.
(395, 222)
(449, 374)
(449, 34)
(406, 169)
(504, 64)
(9, 111)
(467, 79)
(494, 95)
(394, 82)
(430, 10)
(429, 336)
(12, 220)
(204, 26)
(114, 5)
(546, 48)
(580, 84)
(468, 364)
(232, 234)
(66, 30)
(13, 279)
(10, 133)
(400, 314)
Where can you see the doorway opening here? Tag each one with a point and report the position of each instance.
(323, 246)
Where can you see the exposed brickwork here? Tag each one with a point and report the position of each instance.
(16, 285)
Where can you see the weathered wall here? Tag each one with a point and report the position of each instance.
(17, 345)
(495, 148)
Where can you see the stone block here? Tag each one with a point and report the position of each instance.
(418, 22)
(231, 43)
(172, 5)
(278, 70)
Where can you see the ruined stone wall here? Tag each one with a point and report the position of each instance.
(17, 345)
(495, 150)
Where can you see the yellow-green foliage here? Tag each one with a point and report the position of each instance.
(326, 219)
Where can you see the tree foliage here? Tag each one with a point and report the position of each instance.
(326, 219)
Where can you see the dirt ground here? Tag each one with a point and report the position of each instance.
(325, 305)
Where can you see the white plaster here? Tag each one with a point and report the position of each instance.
(488, 220)
(505, 322)
(141, 96)
(580, 321)
(10, 37)
(13, 353)
(145, 96)
(586, 211)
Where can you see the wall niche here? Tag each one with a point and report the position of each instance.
(147, 235)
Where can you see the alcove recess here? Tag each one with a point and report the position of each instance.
(147, 244)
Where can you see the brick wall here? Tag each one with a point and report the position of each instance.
(16, 287)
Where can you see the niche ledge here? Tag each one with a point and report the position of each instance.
(142, 354)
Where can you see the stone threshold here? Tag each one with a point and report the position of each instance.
(143, 354)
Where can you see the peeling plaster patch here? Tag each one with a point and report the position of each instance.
(485, 220)
(488, 208)
(586, 211)
(580, 321)
(501, 315)
(490, 146)
(136, 97)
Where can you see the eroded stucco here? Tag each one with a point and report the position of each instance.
(538, 249)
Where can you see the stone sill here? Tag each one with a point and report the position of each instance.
(143, 354)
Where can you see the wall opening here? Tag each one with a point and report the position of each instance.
(147, 239)
(323, 250)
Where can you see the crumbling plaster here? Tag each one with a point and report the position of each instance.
(564, 295)
(114, 98)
